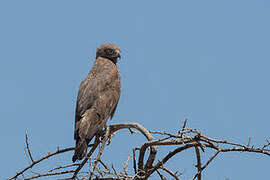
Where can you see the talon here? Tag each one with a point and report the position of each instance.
(109, 140)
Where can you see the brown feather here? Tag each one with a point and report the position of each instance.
(97, 99)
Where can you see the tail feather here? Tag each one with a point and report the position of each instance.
(80, 150)
(85, 130)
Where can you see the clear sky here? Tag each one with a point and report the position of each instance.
(207, 61)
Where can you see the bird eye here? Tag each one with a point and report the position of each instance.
(109, 51)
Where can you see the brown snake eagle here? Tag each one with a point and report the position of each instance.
(97, 99)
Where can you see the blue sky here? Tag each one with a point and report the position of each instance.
(207, 61)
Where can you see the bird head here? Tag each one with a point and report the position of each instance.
(109, 51)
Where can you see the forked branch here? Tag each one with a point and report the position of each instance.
(183, 139)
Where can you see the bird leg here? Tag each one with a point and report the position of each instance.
(101, 135)
(109, 139)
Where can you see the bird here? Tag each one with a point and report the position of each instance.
(97, 98)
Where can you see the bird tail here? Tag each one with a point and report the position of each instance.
(80, 150)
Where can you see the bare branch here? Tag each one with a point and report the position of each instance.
(28, 149)
(184, 126)
(266, 145)
(185, 139)
(198, 162)
(63, 167)
(206, 164)
(103, 164)
(146, 133)
(49, 174)
(125, 166)
(168, 156)
(115, 173)
(107, 133)
(134, 161)
(161, 176)
(174, 175)
(249, 140)
(41, 159)
(87, 157)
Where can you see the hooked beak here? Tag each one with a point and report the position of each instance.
(118, 55)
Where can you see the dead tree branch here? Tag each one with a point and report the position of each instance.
(182, 140)
(197, 150)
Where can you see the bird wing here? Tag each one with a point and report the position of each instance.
(99, 92)
(88, 93)
(97, 98)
